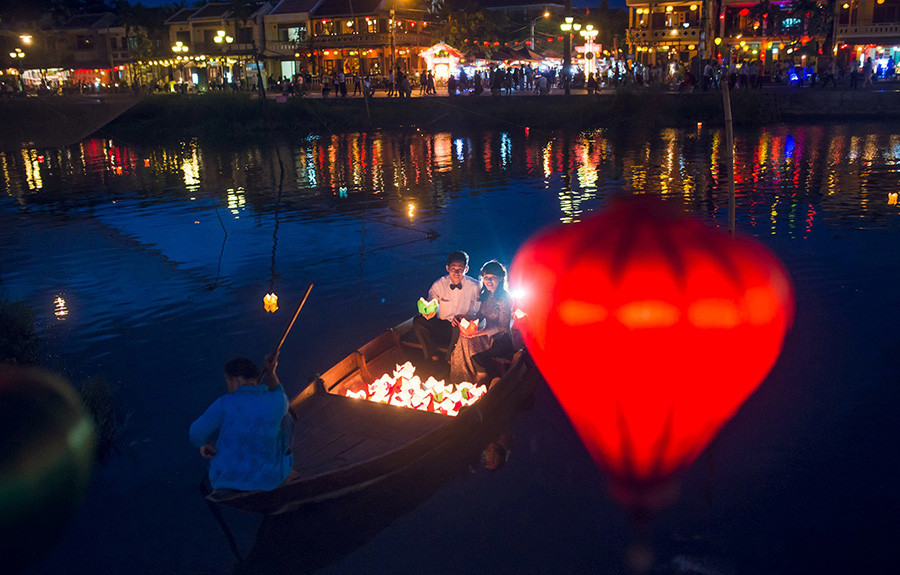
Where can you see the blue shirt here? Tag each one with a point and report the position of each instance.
(250, 449)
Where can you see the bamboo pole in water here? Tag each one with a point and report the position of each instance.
(729, 146)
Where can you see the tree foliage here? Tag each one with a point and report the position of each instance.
(796, 21)
(461, 23)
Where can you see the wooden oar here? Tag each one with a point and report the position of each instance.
(286, 332)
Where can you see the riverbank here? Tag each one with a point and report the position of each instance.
(56, 121)
(241, 115)
(52, 121)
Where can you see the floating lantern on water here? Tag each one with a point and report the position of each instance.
(651, 328)
(59, 308)
(270, 302)
(146, 163)
(427, 307)
(892, 199)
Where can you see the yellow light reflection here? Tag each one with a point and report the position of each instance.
(32, 170)
(411, 210)
(570, 205)
(191, 168)
(59, 308)
(236, 200)
(548, 159)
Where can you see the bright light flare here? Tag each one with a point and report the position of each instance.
(519, 294)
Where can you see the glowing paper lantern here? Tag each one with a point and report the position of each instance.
(892, 199)
(427, 307)
(651, 328)
(405, 389)
(467, 327)
(270, 302)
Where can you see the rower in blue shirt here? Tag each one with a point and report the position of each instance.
(241, 433)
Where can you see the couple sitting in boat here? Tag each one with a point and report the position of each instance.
(472, 320)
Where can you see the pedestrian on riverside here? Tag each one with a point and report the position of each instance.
(854, 75)
(405, 88)
(754, 75)
(830, 74)
(868, 72)
(342, 83)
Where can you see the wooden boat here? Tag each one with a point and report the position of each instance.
(342, 445)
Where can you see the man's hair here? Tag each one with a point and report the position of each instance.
(241, 367)
(458, 256)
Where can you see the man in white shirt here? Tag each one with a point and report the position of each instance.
(457, 296)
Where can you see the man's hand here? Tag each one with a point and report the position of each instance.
(208, 451)
(270, 363)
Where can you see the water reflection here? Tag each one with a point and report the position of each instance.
(780, 171)
(158, 250)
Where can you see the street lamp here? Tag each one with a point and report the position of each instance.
(589, 33)
(546, 14)
(221, 37)
(568, 26)
(178, 48)
(223, 40)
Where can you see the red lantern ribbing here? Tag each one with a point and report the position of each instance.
(651, 328)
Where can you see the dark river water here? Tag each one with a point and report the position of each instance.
(147, 266)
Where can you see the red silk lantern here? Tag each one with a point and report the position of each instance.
(652, 329)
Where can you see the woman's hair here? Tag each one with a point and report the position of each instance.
(493, 268)
(242, 367)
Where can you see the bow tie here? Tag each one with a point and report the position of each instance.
(455, 286)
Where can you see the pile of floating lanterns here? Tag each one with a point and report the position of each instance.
(404, 388)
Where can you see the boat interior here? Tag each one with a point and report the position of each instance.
(333, 432)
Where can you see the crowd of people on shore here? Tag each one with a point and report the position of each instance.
(519, 79)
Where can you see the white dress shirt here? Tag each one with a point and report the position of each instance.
(453, 302)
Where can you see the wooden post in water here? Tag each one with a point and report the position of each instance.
(729, 145)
